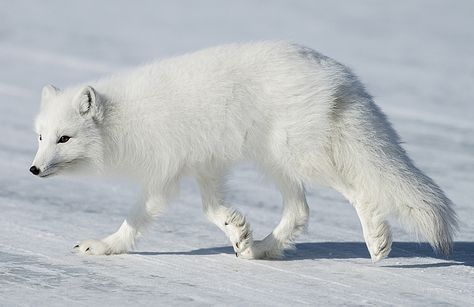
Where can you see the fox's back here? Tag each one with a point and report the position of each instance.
(232, 100)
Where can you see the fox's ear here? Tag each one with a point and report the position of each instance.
(48, 92)
(88, 103)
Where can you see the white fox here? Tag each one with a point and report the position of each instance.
(301, 116)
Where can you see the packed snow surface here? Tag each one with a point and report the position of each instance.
(416, 58)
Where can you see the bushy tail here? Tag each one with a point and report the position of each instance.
(423, 207)
(377, 172)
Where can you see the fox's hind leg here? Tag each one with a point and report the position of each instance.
(229, 220)
(375, 228)
(292, 223)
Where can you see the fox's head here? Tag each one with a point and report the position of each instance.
(68, 131)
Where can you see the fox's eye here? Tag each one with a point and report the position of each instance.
(40, 137)
(63, 139)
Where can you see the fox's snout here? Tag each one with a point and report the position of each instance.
(34, 170)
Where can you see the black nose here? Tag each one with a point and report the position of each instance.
(34, 170)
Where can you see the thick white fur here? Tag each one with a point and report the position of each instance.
(303, 117)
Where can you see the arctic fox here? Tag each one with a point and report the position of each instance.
(301, 116)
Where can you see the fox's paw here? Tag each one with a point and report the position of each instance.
(265, 249)
(238, 230)
(379, 242)
(93, 247)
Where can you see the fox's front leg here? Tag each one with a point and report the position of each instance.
(124, 238)
(229, 220)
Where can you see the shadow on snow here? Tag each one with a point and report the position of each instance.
(463, 252)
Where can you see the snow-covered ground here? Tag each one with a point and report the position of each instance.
(417, 59)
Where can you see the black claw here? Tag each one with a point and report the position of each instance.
(236, 255)
(87, 249)
(76, 246)
(237, 244)
(226, 223)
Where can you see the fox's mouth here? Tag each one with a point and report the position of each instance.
(54, 168)
(49, 174)
(49, 171)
